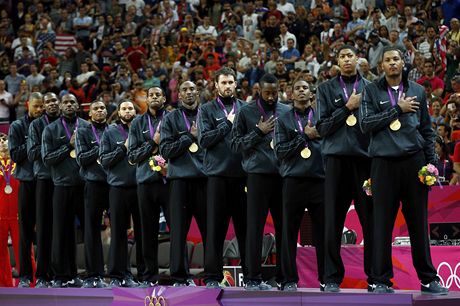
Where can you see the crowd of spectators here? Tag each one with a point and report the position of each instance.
(111, 50)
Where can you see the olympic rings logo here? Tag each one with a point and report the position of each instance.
(452, 278)
(155, 301)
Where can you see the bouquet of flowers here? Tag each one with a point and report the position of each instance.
(158, 164)
(428, 175)
(367, 187)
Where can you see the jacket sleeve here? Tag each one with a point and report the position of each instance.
(34, 142)
(287, 142)
(109, 153)
(87, 154)
(17, 143)
(172, 142)
(327, 122)
(53, 155)
(138, 149)
(208, 135)
(371, 119)
(427, 132)
(244, 138)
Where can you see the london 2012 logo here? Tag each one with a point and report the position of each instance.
(449, 276)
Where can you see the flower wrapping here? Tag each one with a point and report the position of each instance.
(367, 187)
(428, 175)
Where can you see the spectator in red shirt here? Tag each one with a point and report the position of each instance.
(436, 83)
(211, 66)
(48, 58)
(135, 53)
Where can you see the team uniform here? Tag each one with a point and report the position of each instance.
(43, 195)
(263, 182)
(96, 195)
(226, 197)
(187, 193)
(121, 176)
(152, 188)
(401, 144)
(67, 196)
(302, 169)
(347, 166)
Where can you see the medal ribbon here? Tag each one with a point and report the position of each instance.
(67, 131)
(187, 122)
(152, 130)
(299, 122)
(264, 114)
(122, 131)
(222, 106)
(98, 139)
(344, 87)
(7, 172)
(391, 96)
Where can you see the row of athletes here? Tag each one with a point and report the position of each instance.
(287, 159)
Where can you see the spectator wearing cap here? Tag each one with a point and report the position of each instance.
(291, 55)
(402, 27)
(418, 34)
(375, 50)
(428, 75)
(326, 34)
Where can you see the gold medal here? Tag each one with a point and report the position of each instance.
(351, 120)
(395, 125)
(272, 144)
(73, 154)
(305, 153)
(193, 148)
(8, 189)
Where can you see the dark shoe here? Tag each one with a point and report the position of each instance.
(58, 284)
(24, 282)
(41, 283)
(129, 283)
(331, 287)
(89, 283)
(321, 287)
(115, 283)
(179, 284)
(191, 283)
(147, 284)
(434, 288)
(264, 286)
(371, 287)
(382, 288)
(289, 287)
(213, 284)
